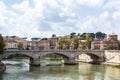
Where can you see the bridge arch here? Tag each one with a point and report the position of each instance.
(33, 60)
(16, 55)
(66, 59)
(94, 58)
(56, 53)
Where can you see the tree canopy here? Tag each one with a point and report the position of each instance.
(75, 42)
(100, 35)
(87, 43)
(72, 35)
(2, 44)
(20, 45)
(64, 43)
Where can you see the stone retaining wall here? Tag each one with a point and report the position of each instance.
(112, 56)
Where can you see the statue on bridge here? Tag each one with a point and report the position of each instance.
(71, 46)
(64, 47)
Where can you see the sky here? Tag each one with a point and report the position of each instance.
(42, 18)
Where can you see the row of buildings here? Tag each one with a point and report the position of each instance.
(111, 42)
(35, 44)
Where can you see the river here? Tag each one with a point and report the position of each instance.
(20, 70)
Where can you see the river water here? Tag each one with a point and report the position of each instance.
(20, 70)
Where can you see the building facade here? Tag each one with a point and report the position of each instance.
(110, 43)
(49, 43)
(11, 41)
(54, 42)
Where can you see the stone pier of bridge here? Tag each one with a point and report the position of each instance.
(34, 62)
(70, 61)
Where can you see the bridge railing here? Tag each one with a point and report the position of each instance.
(58, 50)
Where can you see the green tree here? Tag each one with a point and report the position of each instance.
(64, 42)
(20, 45)
(53, 35)
(92, 35)
(75, 42)
(2, 44)
(100, 35)
(107, 47)
(72, 35)
(82, 36)
(119, 45)
(88, 42)
(83, 46)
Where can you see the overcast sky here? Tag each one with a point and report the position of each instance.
(42, 18)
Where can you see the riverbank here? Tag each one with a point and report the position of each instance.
(112, 64)
(2, 67)
(105, 63)
(118, 66)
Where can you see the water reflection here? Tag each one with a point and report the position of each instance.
(113, 73)
(82, 71)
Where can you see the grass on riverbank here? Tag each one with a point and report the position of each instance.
(118, 66)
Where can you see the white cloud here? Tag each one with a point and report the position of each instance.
(22, 6)
(52, 3)
(115, 4)
(47, 17)
(2, 12)
(105, 15)
(2, 6)
(90, 2)
(116, 15)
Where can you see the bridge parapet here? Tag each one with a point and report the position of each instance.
(67, 53)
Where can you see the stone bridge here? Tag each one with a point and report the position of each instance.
(69, 56)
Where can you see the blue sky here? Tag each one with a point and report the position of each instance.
(42, 18)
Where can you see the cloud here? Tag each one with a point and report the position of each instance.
(2, 12)
(105, 15)
(42, 18)
(115, 4)
(21, 6)
(116, 15)
(92, 3)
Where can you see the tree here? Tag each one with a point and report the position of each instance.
(72, 35)
(44, 39)
(75, 42)
(83, 36)
(53, 35)
(104, 35)
(35, 38)
(88, 42)
(20, 45)
(63, 42)
(2, 44)
(100, 35)
(78, 34)
(107, 47)
(119, 45)
(83, 46)
(92, 35)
